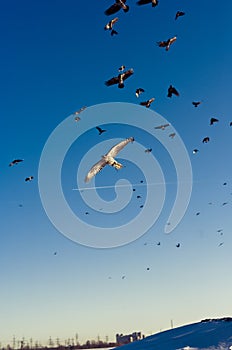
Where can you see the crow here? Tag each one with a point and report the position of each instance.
(100, 130)
(172, 90)
(148, 102)
(167, 43)
(118, 5)
(120, 79)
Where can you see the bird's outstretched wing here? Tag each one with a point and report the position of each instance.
(127, 74)
(117, 148)
(143, 2)
(95, 169)
(116, 7)
(112, 81)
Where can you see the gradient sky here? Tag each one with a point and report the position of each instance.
(55, 57)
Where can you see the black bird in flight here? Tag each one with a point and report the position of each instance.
(205, 139)
(196, 104)
(230, 123)
(122, 68)
(172, 90)
(120, 79)
(148, 102)
(29, 178)
(15, 161)
(139, 91)
(213, 120)
(144, 2)
(195, 151)
(100, 130)
(162, 127)
(109, 25)
(148, 150)
(179, 14)
(118, 5)
(167, 43)
(178, 245)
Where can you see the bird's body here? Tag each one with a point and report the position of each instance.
(179, 14)
(118, 5)
(195, 151)
(205, 139)
(167, 43)
(172, 135)
(145, 2)
(196, 104)
(108, 158)
(80, 110)
(148, 102)
(213, 120)
(162, 127)
(139, 91)
(29, 178)
(120, 79)
(100, 130)
(15, 161)
(148, 150)
(109, 25)
(172, 91)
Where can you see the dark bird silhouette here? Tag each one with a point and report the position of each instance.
(100, 130)
(230, 123)
(148, 150)
(167, 43)
(139, 91)
(29, 178)
(196, 104)
(205, 139)
(141, 206)
(158, 243)
(148, 102)
(144, 2)
(172, 135)
(162, 127)
(198, 213)
(113, 32)
(118, 5)
(80, 110)
(179, 14)
(213, 120)
(122, 68)
(172, 91)
(195, 151)
(224, 183)
(120, 79)
(178, 245)
(220, 244)
(138, 197)
(109, 25)
(15, 161)
(148, 268)
(224, 203)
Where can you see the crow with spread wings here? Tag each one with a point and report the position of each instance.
(120, 79)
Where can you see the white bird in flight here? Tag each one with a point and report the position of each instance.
(108, 158)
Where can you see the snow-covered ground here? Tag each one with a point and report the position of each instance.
(208, 334)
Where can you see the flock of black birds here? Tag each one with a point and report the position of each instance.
(124, 74)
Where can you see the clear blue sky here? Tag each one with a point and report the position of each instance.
(55, 57)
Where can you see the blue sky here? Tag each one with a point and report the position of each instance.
(55, 58)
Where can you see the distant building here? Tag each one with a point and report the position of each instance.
(122, 339)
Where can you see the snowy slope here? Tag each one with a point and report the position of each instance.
(212, 334)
